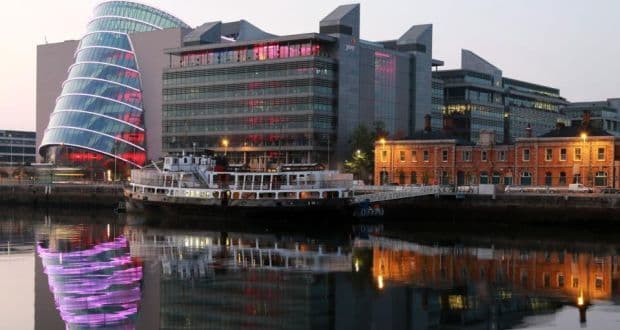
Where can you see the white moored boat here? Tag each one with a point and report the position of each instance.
(210, 184)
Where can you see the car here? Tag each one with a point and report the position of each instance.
(578, 187)
(609, 190)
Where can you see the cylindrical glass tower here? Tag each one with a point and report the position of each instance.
(99, 114)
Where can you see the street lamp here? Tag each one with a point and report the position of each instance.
(584, 138)
(225, 144)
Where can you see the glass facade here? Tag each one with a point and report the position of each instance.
(385, 89)
(100, 108)
(275, 104)
(17, 147)
(475, 103)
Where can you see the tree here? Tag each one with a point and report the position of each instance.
(362, 142)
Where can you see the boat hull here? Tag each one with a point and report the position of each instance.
(262, 209)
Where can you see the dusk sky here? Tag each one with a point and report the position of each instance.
(573, 45)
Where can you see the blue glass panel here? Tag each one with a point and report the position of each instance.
(99, 105)
(107, 72)
(91, 122)
(107, 55)
(108, 39)
(105, 89)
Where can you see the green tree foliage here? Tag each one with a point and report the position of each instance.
(362, 142)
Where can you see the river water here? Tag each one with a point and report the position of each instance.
(83, 270)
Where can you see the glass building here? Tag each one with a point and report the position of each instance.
(265, 100)
(99, 115)
(604, 115)
(477, 97)
(17, 147)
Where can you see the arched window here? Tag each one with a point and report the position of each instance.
(562, 178)
(484, 177)
(548, 179)
(577, 178)
(526, 179)
(600, 180)
(414, 177)
(383, 177)
(401, 178)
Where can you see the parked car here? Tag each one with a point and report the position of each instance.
(609, 190)
(578, 187)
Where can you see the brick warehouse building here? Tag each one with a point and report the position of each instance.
(572, 154)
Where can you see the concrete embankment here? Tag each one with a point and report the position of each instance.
(60, 195)
(510, 208)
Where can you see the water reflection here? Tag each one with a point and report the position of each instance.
(98, 272)
(93, 279)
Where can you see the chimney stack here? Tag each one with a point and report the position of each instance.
(528, 131)
(427, 123)
(585, 123)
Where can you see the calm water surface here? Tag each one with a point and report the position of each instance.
(80, 271)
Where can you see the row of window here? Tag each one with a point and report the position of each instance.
(197, 94)
(276, 140)
(251, 53)
(466, 155)
(250, 75)
(168, 113)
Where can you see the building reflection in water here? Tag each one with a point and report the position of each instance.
(94, 280)
(226, 280)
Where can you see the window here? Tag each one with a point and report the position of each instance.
(383, 178)
(575, 282)
(402, 155)
(483, 156)
(484, 177)
(501, 156)
(496, 178)
(600, 180)
(526, 155)
(548, 179)
(414, 178)
(548, 155)
(401, 178)
(546, 280)
(467, 156)
(600, 154)
(577, 155)
(414, 156)
(526, 179)
(444, 155)
(577, 178)
(563, 154)
(383, 156)
(561, 280)
(598, 283)
(562, 178)
(425, 155)
(507, 180)
(445, 179)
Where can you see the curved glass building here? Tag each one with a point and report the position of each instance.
(99, 113)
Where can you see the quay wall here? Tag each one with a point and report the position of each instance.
(60, 195)
(508, 208)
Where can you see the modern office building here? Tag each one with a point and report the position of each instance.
(230, 87)
(478, 97)
(109, 106)
(17, 148)
(604, 115)
(264, 99)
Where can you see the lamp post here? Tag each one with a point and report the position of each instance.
(382, 141)
(584, 138)
(225, 144)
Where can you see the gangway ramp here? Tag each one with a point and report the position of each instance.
(393, 193)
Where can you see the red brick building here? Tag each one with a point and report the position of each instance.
(562, 156)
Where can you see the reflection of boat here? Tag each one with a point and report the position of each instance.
(212, 186)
